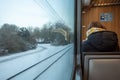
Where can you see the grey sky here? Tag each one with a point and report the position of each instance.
(31, 13)
(22, 13)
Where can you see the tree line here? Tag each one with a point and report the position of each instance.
(17, 39)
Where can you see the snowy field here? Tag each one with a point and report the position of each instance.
(50, 69)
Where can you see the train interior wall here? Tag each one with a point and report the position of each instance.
(93, 14)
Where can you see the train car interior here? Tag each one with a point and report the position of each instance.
(100, 65)
(43, 39)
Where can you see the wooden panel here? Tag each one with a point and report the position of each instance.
(94, 15)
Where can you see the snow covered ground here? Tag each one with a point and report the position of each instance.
(60, 70)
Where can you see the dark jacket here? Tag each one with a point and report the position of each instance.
(102, 41)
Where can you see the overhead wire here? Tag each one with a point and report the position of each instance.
(45, 5)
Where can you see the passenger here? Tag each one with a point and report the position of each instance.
(99, 39)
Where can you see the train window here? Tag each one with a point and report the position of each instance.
(36, 39)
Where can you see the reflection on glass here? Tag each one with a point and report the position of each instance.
(36, 36)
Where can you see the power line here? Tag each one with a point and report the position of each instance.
(44, 4)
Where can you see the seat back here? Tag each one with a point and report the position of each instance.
(101, 65)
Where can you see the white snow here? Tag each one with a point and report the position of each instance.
(61, 70)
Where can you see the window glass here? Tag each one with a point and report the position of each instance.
(36, 39)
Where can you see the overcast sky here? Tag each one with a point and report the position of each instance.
(36, 12)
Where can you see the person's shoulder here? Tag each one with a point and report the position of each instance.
(85, 44)
(86, 47)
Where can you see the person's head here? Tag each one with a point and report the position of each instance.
(95, 24)
(95, 27)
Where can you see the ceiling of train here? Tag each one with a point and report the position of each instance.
(94, 3)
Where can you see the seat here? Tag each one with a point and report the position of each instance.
(101, 65)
